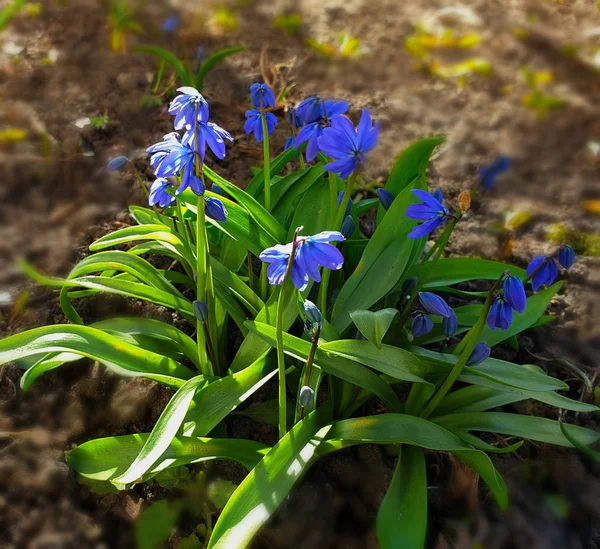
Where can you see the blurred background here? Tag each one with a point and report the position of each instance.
(509, 77)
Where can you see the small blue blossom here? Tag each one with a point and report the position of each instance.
(209, 134)
(171, 24)
(348, 226)
(500, 315)
(514, 293)
(184, 108)
(386, 198)
(254, 123)
(311, 253)
(488, 174)
(431, 211)
(312, 312)
(311, 134)
(291, 142)
(307, 396)
(438, 195)
(421, 325)
(118, 163)
(481, 352)
(217, 190)
(294, 119)
(544, 271)
(309, 110)
(200, 310)
(566, 256)
(347, 145)
(215, 209)
(261, 96)
(434, 304)
(450, 324)
(159, 195)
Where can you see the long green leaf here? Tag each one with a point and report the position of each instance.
(211, 62)
(123, 358)
(528, 427)
(106, 458)
(163, 432)
(256, 185)
(345, 369)
(584, 449)
(402, 516)
(170, 59)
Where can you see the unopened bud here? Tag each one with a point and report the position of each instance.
(348, 226)
(307, 395)
(200, 310)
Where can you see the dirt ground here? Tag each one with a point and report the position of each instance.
(55, 187)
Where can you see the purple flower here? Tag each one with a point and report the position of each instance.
(450, 324)
(545, 271)
(488, 174)
(184, 108)
(347, 145)
(311, 252)
(514, 293)
(311, 133)
(309, 110)
(500, 315)
(481, 352)
(119, 162)
(254, 123)
(159, 195)
(566, 256)
(386, 198)
(171, 24)
(215, 209)
(421, 325)
(434, 304)
(261, 96)
(431, 211)
(208, 134)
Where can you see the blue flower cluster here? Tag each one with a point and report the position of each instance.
(310, 253)
(512, 299)
(433, 304)
(182, 156)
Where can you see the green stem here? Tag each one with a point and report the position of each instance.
(470, 340)
(267, 161)
(439, 247)
(201, 283)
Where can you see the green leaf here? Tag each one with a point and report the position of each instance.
(411, 163)
(185, 76)
(146, 216)
(123, 358)
(268, 484)
(256, 185)
(266, 412)
(107, 458)
(155, 524)
(566, 430)
(374, 325)
(453, 270)
(163, 432)
(343, 368)
(313, 211)
(382, 263)
(269, 224)
(394, 362)
(219, 492)
(528, 427)
(211, 62)
(402, 516)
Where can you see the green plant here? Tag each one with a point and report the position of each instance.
(99, 122)
(122, 20)
(209, 233)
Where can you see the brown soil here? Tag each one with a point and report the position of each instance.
(55, 186)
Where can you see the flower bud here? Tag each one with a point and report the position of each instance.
(307, 395)
(434, 304)
(566, 256)
(200, 310)
(217, 190)
(117, 163)
(312, 312)
(409, 285)
(514, 293)
(480, 353)
(386, 198)
(450, 324)
(348, 226)
(421, 325)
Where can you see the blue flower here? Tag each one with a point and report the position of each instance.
(215, 209)
(171, 157)
(118, 163)
(421, 325)
(171, 24)
(311, 253)
(254, 123)
(159, 195)
(262, 96)
(348, 226)
(431, 211)
(312, 312)
(500, 315)
(291, 142)
(488, 174)
(514, 293)
(566, 256)
(308, 110)
(346, 144)
(184, 108)
(294, 119)
(544, 271)
(481, 352)
(208, 134)
(200, 310)
(450, 324)
(386, 198)
(434, 304)
(311, 133)
(438, 195)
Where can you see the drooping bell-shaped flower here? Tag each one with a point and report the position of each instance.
(386, 198)
(500, 315)
(514, 293)
(481, 352)
(434, 304)
(159, 195)
(566, 256)
(543, 271)
(262, 96)
(421, 325)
